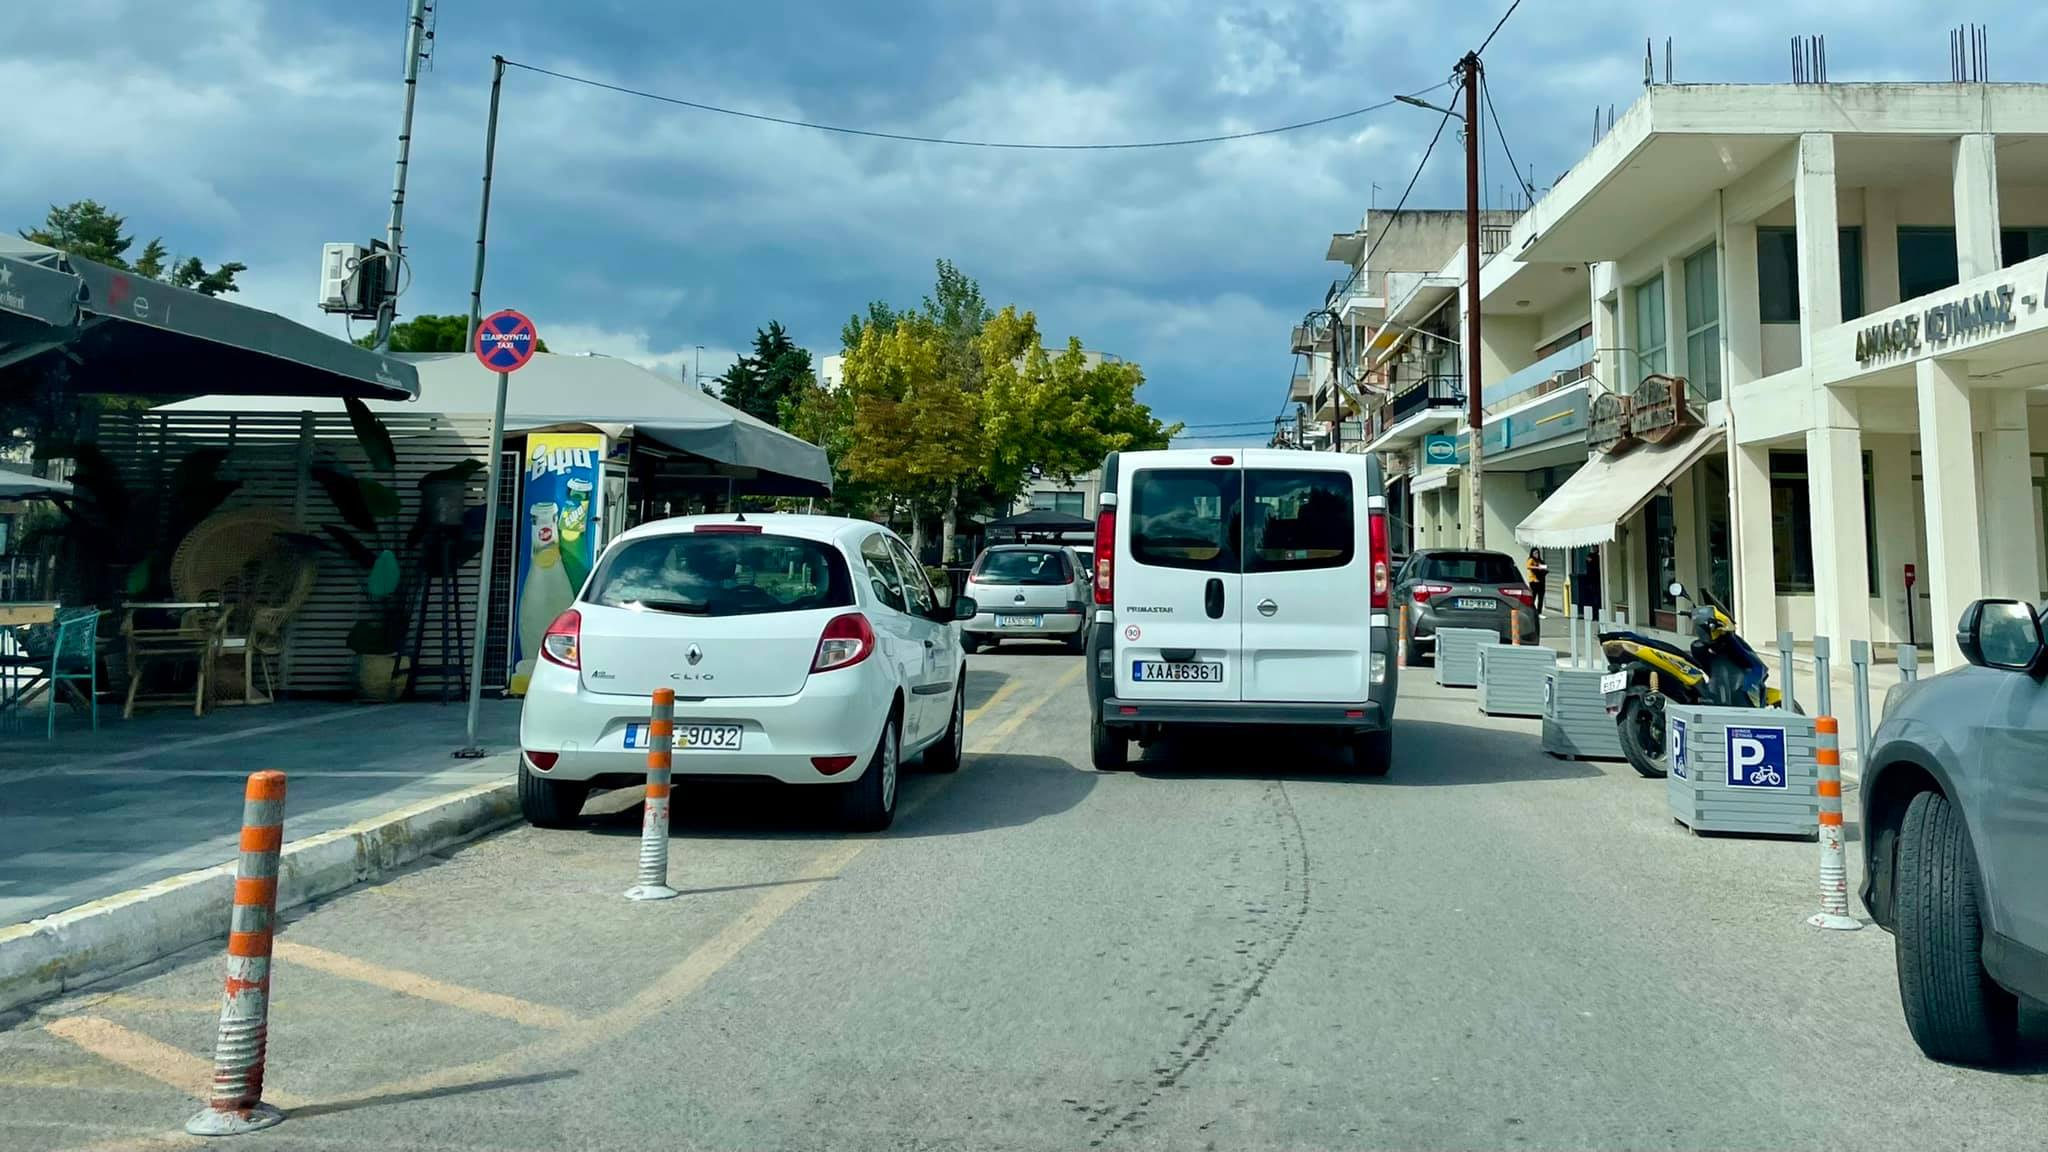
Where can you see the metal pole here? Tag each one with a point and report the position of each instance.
(1909, 663)
(1823, 691)
(697, 373)
(1791, 698)
(483, 215)
(387, 308)
(1859, 662)
(474, 748)
(1473, 416)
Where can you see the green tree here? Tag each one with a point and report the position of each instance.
(763, 383)
(89, 229)
(429, 332)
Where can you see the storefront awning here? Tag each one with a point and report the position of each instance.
(1608, 490)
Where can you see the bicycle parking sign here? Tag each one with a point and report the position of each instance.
(1756, 758)
(1678, 762)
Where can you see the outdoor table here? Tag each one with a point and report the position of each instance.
(21, 671)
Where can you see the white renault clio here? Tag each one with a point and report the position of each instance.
(805, 649)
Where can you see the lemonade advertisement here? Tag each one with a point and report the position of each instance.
(557, 538)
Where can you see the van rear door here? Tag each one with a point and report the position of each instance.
(1179, 593)
(1308, 581)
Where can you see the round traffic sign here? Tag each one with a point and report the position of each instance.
(505, 341)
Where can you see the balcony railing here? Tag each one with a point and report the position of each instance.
(1561, 368)
(1431, 392)
(1493, 238)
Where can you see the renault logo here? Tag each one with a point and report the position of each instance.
(695, 655)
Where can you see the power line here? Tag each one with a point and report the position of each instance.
(915, 139)
(1486, 97)
(1496, 28)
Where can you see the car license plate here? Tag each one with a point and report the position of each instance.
(1181, 671)
(1470, 605)
(1019, 621)
(690, 737)
(1613, 682)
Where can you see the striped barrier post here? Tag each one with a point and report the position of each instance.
(1401, 639)
(661, 727)
(1834, 875)
(236, 1105)
(1514, 627)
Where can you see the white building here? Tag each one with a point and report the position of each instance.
(1812, 324)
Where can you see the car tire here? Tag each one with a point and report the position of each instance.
(1955, 1011)
(550, 803)
(1648, 761)
(945, 756)
(1078, 642)
(969, 644)
(1109, 747)
(1373, 752)
(869, 803)
(1411, 653)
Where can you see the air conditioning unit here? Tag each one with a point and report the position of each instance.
(351, 279)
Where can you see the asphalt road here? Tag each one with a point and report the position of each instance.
(1237, 945)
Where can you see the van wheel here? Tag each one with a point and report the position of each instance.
(1109, 747)
(869, 803)
(1373, 752)
(1956, 1012)
(550, 803)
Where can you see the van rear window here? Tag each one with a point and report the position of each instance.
(722, 574)
(1185, 518)
(1295, 520)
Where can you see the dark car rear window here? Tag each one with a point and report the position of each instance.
(1469, 568)
(1024, 566)
(723, 574)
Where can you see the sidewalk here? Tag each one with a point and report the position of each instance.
(92, 814)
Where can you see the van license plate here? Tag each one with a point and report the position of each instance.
(1019, 621)
(1613, 682)
(1470, 605)
(689, 737)
(1182, 671)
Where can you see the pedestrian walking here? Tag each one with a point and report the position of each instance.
(1538, 573)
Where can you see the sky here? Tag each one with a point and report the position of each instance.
(256, 131)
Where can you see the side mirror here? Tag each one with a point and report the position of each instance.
(1677, 590)
(965, 608)
(2000, 634)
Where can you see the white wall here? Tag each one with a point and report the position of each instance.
(1781, 347)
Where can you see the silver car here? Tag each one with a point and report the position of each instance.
(1955, 843)
(1028, 592)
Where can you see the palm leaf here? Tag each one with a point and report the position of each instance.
(371, 434)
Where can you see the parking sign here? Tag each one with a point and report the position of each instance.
(1678, 748)
(1756, 758)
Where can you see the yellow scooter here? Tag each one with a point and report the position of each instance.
(1644, 672)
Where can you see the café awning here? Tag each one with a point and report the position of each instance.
(1609, 490)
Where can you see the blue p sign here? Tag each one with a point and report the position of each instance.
(1756, 758)
(1678, 748)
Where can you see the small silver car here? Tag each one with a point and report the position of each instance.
(1028, 592)
(1955, 837)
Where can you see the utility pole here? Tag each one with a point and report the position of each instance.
(387, 307)
(1336, 391)
(488, 558)
(698, 373)
(1474, 417)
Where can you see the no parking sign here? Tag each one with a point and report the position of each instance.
(1756, 758)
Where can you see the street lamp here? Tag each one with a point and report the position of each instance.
(697, 373)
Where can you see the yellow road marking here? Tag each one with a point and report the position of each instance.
(173, 1067)
(994, 699)
(1016, 719)
(423, 987)
(131, 1002)
(696, 969)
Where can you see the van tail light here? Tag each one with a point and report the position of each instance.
(1424, 591)
(1382, 576)
(563, 643)
(1105, 556)
(1522, 596)
(848, 639)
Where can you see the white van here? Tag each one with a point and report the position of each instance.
(1244, 587)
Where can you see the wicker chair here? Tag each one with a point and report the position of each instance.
(248, 560)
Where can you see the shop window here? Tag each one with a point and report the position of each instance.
(1792, 524)
(1651, 336)
(1703, 323)
(1069, 503)
(1660, 547)
(1777, 274)
(1927, 261)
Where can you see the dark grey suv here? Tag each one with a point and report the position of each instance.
(1955, 845)
(1461, 588)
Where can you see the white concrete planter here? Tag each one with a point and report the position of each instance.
(1742, 770)
(1457, 655)
(1576, 722)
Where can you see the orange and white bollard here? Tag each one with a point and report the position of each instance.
(661, 728)
(1401, 640)
(1514, 628)
(237, 1103)
(1834, 875)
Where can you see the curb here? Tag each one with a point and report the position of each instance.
(106, 937)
